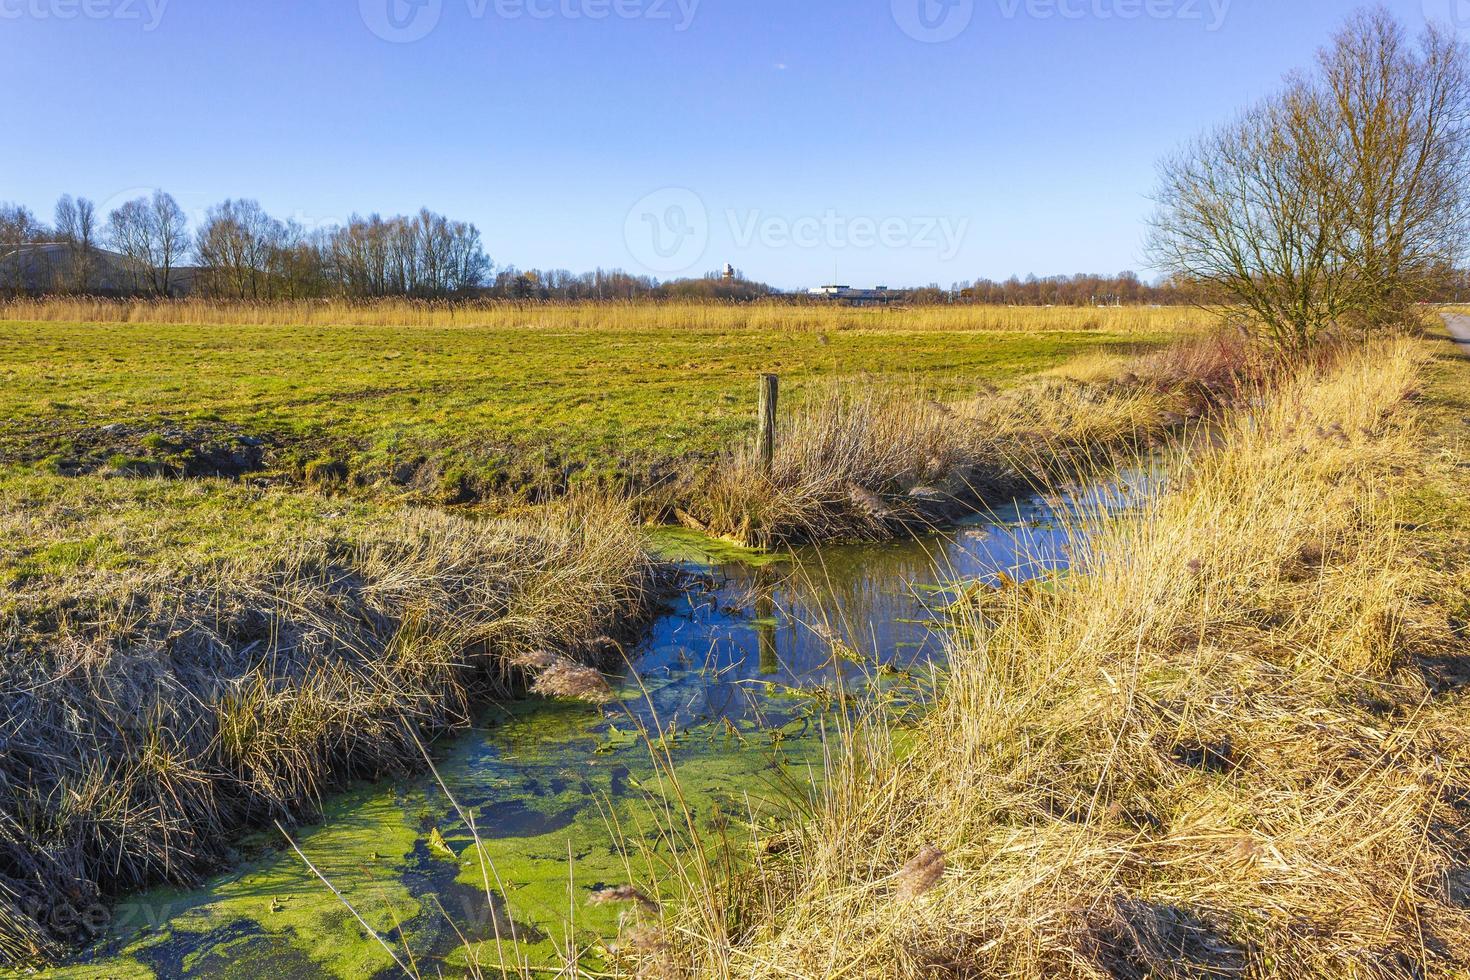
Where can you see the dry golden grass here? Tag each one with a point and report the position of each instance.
(1211, 752)
(861, 462)
(617, 316)
(152, 711)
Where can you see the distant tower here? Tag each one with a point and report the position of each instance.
(729, 272)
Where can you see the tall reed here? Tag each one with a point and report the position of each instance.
(618, 316)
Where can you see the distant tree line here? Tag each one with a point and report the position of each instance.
(560, 285)
(241, 252)
(1123, 289)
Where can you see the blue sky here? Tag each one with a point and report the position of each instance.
(893, 142)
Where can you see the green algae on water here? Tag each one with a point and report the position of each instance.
(734, 694)
(686, 546)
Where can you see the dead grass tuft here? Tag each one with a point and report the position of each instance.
(863, 462)
(622, 893)
(920, 875)
(564, 679)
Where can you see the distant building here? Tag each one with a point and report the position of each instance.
(45, 267)
(729, 273)
(877, 296)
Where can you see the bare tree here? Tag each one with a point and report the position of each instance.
(238, 250)
(299, 265)
(76, 227)
(18, 226)
(467, 264)
(426, 255)
(1247, 212)
(170, 230)
(152, 234)
(1341, 199)
(127, 233)
(1399, 115)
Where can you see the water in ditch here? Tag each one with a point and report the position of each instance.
(735, 680)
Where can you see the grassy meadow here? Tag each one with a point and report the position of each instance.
(525, 400)
(525, 404)
(117, 430)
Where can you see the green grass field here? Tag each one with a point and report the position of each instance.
(503, 403)
(410, 413)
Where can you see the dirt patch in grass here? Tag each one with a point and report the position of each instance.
(183, 449)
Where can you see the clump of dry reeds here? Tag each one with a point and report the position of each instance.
(1209, 752)
(861, 462)
(576, 682)
(622, 893)
(921, 874)
(147, 718)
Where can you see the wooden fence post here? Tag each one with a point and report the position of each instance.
(765, 440)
